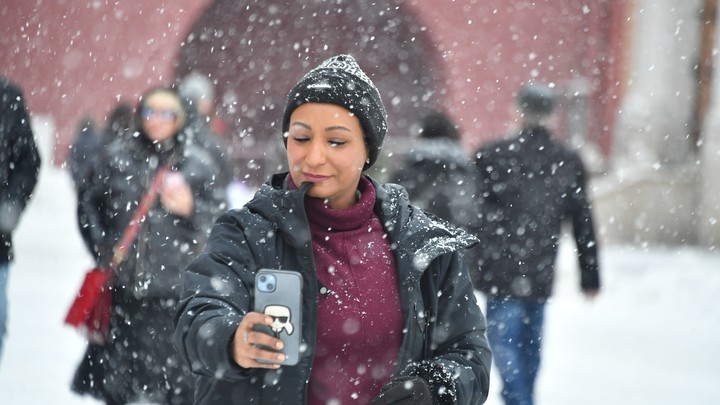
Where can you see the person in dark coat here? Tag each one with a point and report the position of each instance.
(531, 185)
(84, 149)
(437, 173)
(139, 361)
(389, 312)
(19, 170)
(90, 140)
(198, 93)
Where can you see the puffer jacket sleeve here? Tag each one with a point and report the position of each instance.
(91, 212)
(216, 297)
(458, 366)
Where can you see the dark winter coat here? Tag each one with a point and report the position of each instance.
(83, 152)
(531, 186)
(19, 163)
(439, 178)
(166, 242)
(272, 231)
(139, 358)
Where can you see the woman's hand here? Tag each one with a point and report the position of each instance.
(176, 195)
(246, 350)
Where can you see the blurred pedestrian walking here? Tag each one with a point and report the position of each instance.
(19, 170)
(437, 173)
(139, 362)
(531, 185)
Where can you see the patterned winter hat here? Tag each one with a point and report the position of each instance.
(339, 80)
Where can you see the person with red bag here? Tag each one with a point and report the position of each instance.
(138, 362)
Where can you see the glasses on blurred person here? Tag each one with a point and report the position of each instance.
(149, 113)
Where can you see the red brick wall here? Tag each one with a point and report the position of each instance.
(77, 57)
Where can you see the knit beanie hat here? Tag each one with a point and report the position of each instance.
(339, 80)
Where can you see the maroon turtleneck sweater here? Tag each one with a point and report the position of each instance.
(359, 316)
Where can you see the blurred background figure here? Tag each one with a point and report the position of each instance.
(436, 172)
(84, 148)
(119, 123)
(531, 184)
(19, 169)
(206, 128)
(90, 140)
(139, 361)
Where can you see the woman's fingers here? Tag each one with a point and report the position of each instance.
(254, 349)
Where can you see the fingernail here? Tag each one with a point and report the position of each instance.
(279, 345)
(281, 357)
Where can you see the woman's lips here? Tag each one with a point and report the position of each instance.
(315, 178)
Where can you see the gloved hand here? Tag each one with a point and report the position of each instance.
(405, 391)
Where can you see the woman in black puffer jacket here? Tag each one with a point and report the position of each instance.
(388, 310)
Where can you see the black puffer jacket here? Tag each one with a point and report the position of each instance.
(272, 231)
(166, 242)
(19, 163)
(531, 185)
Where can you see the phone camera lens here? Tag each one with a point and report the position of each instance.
(270, 287)
(263, 279)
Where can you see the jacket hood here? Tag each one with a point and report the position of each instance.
(440, 150)
(417, 233)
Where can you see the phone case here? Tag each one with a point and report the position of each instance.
(278, 293)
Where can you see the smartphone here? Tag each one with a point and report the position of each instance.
(278, 294)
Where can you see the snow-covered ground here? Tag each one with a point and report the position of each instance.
(651, 337)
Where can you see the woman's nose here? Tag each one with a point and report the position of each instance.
(316, 154)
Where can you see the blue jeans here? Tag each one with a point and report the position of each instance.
(515, 332)
(4, 270)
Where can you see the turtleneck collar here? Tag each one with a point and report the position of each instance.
(321, 215)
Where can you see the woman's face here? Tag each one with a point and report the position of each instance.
(161, 116)
(326, 146)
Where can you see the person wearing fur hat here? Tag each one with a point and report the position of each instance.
(138, 362)
(388, 309)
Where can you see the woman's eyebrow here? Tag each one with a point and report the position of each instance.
(301, 124)
(337, 127)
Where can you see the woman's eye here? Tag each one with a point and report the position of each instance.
(336, 143)
(300, 139)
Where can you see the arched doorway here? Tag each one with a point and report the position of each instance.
(256, 51)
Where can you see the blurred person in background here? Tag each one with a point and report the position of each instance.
(198, 92)
(84, 148)
(437, 173)
(139, 362)
(389, 312)
(119, 123)
(531, 184)
(89, 141)
(19, 170)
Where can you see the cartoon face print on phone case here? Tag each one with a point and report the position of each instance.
(281, 317)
